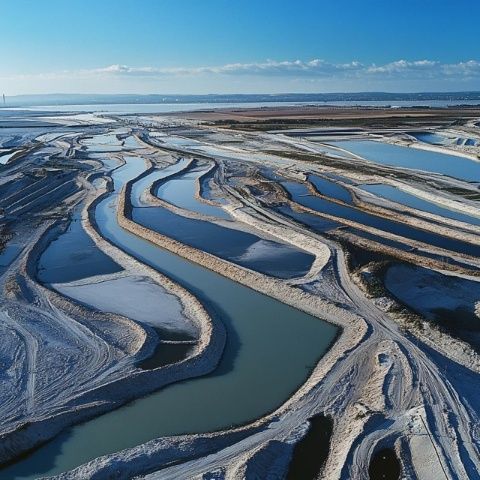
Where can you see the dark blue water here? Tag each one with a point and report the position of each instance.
(181, 189)
(404, 198)
(73, 256)
(427, 137)
(402, 246)
(311, 452)
(376, 238)
(330, 189)
(384, 153)
(319, 224)
(385, 466)
(243, 248)
(301, 195)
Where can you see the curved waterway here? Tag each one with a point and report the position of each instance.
(404, 198)
(301, 195)
(243, 248)
(398, 156)
(331, 189)
(270, 350)
(178, 188)
(73, 247)
(181, 191)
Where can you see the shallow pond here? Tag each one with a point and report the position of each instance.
(330, 189)
(409, 200)
(245, 249)
(387, 154)
(145, 182)
(300, 194)
(311, 452)
(9, 253)
(240, 247)
(181, 191)
(384, 466)
(109, 142)
(72, 256)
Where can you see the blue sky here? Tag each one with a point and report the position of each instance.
(241, 46)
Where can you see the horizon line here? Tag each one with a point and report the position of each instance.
(360, 92)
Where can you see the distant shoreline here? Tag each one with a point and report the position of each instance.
(349, 99)
(211, 108)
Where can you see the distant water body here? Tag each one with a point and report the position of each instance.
(125, 108)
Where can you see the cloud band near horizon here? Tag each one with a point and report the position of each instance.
(400, 69)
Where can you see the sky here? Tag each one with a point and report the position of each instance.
(238, 46)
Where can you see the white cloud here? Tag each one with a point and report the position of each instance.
(402, 66)
(266, 76)
(313, 68)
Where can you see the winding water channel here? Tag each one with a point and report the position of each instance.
(241, 247)
(181, 192)
(73, 247)
(270, 350)
(435, 162)
(301, 195)
(403, 198)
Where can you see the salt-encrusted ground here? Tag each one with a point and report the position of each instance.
(133, 296)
